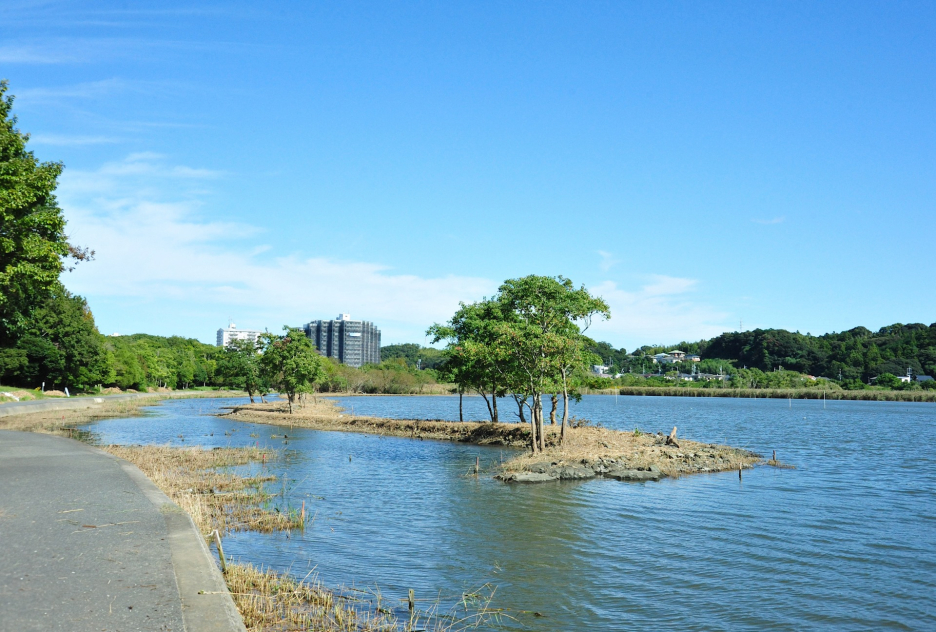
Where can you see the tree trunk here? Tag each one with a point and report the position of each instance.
(488, 403)
(290, 397)
(539, 421)
(552, 413)
(534, 444)
(494, 401)
(565, 413)
(520, 406)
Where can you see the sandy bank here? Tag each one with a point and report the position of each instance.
(587, 452)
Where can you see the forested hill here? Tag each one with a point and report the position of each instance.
(856, 354)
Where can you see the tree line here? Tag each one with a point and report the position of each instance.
(851, 358)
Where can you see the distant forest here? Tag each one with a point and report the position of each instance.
(858, 354)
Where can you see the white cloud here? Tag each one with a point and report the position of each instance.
(161, 262)
(166, 254)
(661, 311)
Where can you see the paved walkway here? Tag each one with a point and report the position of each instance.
(88, 543)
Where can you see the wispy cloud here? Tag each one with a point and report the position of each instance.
(775, 220)
(162, 250)
(69, 140)
(27, 54)
(661, 310)
(607, 261)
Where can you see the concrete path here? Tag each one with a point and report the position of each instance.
(88, 543)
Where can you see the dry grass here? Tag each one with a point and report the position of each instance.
(216, 499)
(57, 422)
(636, 450)
(270, 601)
(323, 414)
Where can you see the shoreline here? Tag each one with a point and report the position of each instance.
(587, 452)
(57, 416)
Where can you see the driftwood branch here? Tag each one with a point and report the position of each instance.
(671, 439)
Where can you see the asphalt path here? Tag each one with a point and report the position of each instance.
(88, 543)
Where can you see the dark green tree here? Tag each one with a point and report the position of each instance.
(240, 367)
(290, 363)
(33, 244)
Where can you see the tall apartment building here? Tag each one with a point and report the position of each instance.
(351, 342)
(233, 333)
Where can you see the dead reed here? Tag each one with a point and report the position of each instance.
(216, 498)
(274, 601)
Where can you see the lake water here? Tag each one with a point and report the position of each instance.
(847, 541)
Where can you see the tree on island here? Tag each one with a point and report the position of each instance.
(240, 367)
(527, 341)
(290, 362)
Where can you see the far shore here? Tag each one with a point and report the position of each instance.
(587, 451)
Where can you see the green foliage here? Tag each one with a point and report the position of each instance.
(142, 360)
(58, 345)
(290, 362)
(527, 341)
(887, 380)
(414, 355)
(390, 377)
(239, 366)
(33, 244)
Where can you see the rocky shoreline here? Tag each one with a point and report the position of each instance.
(697, 459)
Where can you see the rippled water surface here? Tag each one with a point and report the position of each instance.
(845, 541)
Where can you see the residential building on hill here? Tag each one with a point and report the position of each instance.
(225, 336)
(351, 342)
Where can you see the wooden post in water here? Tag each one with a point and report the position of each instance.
(477, 464)
(739, 471)
(774, 459)
(412, 601)
(217, 539)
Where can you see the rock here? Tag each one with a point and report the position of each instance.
(571, 472)
(634, 475)
(655, 469)
(527, 477)
(540, 468)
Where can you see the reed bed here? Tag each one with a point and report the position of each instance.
(195, 480)
(775, 393)
(271, 601)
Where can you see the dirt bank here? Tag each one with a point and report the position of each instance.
(587, 451)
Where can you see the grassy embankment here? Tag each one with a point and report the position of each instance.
(866, 395)
(582, 444)
(201, 483)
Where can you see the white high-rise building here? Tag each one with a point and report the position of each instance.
(225, 336)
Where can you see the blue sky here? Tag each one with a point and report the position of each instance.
(696, 164)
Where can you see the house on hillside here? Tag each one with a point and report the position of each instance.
(674, 356)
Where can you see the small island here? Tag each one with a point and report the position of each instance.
(587, 451)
